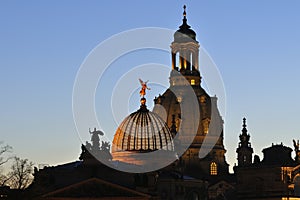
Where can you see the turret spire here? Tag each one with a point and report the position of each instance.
(244, 130)
(184, 20)
(244, 149)
(244, 122)
(244, 137)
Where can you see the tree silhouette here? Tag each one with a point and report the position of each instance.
(20, 175)
(3, 150)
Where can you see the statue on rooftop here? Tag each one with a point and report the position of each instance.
(95, 139)
(88, 146)
(297, 150)
(144, 87)
(296, 145)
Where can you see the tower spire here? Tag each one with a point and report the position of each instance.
(184, 20)
(244, 122)
(244, 149)
(244, 130)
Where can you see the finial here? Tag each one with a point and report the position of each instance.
(244, 123)
(244, 130)
(184, 11)
(143, 101)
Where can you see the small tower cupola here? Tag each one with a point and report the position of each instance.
(185, 55)
(244, 149)
(184, 33)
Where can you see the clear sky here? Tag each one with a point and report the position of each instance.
(255, 44)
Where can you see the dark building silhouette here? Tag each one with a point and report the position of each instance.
(276, 177)
(189, 177)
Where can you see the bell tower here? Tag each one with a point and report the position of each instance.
(244, 149)
(185, 74)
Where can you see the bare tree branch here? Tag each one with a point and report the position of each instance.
(3, 150)
(21, 173)
(4, 180)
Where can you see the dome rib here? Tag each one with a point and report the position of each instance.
(125, 135)
(133, 126)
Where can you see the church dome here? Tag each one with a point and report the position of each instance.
(184, 33)
(142, 131)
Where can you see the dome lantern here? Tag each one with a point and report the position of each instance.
(184, 33)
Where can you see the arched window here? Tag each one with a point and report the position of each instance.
(213, 169)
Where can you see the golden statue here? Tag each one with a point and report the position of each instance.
(144, 87)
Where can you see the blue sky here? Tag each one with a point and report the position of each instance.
(254, 44)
